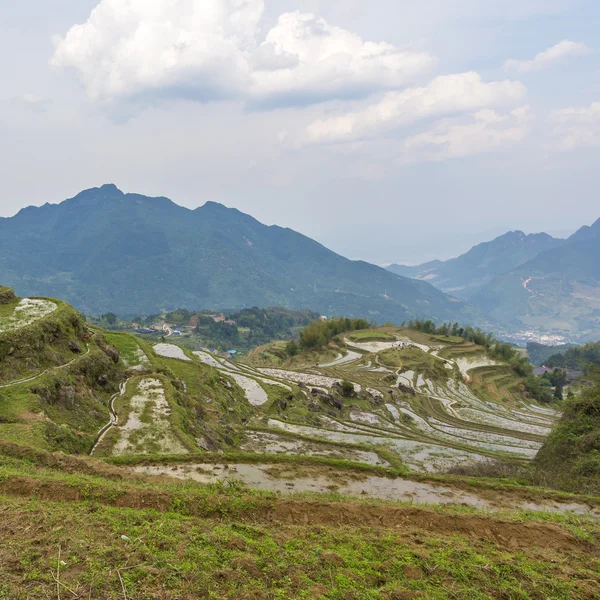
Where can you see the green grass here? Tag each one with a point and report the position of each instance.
(224, 541)
(127, 345)
(7, 310)
(414, 359)
(169, 556)
(447, 339)
(371, 336)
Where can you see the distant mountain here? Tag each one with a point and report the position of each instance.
(105, 250)
(558, 290)
(466, 275)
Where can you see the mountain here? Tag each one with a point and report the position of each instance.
(467, 274)
(558, 290)
(105, 250)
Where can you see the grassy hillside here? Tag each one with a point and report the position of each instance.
(56, 376)
(571, 455)
(79, 528)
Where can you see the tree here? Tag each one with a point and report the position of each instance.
(110, 318)
(292, 348)
(558, 393)
(347, 389)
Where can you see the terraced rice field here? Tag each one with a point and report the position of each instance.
(281, 478)
(24, 313)
(443, 422)
(147, 429)
(426, 406)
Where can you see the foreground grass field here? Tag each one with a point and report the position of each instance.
(77, 528)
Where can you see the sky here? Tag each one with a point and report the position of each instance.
(388, 130)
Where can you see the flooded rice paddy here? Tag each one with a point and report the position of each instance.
(301, 479)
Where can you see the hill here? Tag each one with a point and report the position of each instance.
(465, 275)
(108, 251)
(557, 291)
(527, 283)
(56, 375)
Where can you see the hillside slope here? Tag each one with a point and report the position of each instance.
(224, 479)
(572, 452)
(558, 290)
(56, 375)
(105, 250)
(465, 275)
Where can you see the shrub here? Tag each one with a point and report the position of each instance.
(347, 389)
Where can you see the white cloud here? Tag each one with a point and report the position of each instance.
(330, 62)
(487, 131)
(576, 127)
(552, 55)
(208, 49)
(445, 95)
(185, 48)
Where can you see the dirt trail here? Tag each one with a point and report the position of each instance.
(53, 369)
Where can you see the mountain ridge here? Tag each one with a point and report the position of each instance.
(106, 250)
(467, 273)
(527, 282)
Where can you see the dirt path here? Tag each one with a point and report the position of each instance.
(28, 379)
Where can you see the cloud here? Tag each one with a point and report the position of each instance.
(561, 51)
(487, 131)
(208, 49)
(445, 95)
(321, 62)
(128, 48)
(576, 127)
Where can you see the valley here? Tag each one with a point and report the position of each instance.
(256, 339)
(378, 437)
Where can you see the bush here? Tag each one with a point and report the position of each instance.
(347, 389)
(292, 348)
(7, 296)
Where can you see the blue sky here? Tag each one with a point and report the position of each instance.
(387, 130)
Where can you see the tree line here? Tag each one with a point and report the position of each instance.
(319, 333)
(538, 389)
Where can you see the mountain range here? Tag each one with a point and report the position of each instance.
(531, 282)
(108, 251)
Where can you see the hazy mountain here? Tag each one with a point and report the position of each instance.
(106, 250)
(467, 274)
(558, 290)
